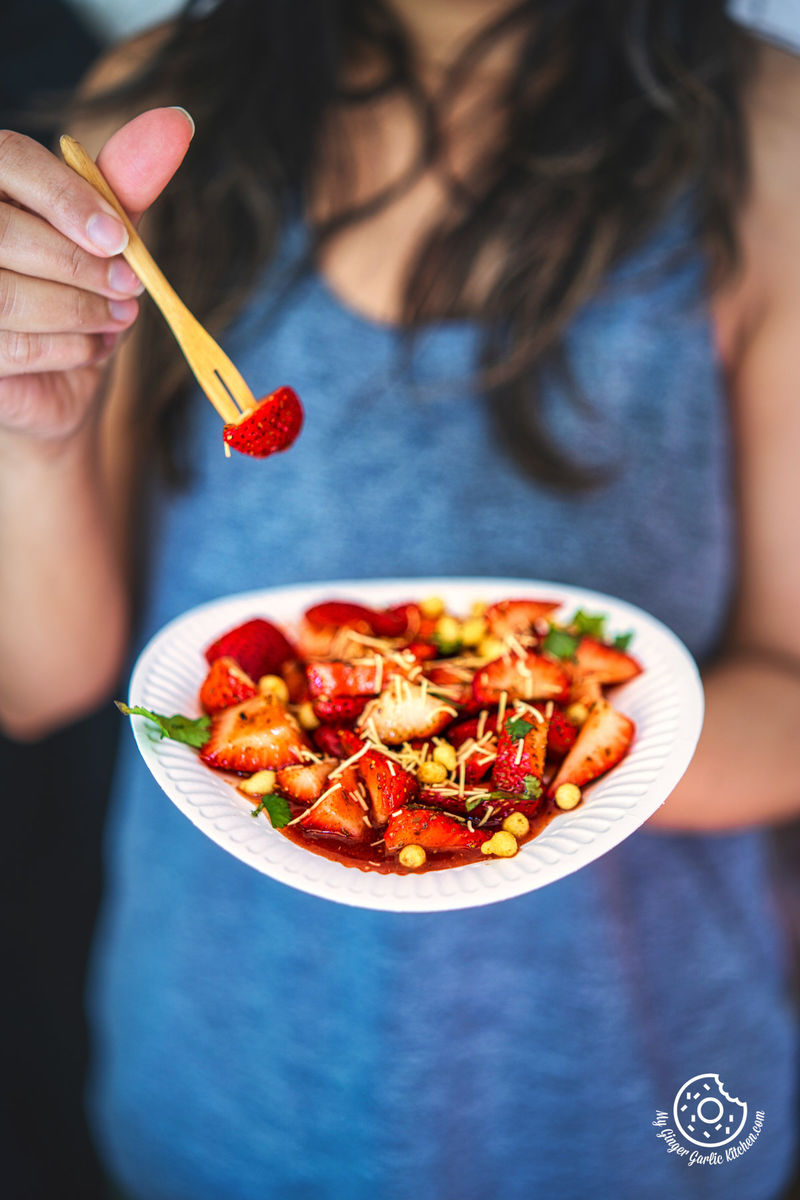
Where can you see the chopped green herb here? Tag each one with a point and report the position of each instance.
(560, 644)
(518, 727)
(473, 802)
(191, 731)
(592, 624)
(623, 640)
(533, 787)
(500, 794)
(277, 809)
(445, 647)
(533, 790)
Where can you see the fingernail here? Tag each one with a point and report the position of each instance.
(107, 233)
(123, 311)
(122, 279)
(188, 115)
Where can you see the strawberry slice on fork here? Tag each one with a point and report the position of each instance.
(270, 427)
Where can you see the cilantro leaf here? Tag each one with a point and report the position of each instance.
(533, 787)
(191, 731)
(592, 624)
(560, 644)
(277, 809)
(518, 727)
(623, 640)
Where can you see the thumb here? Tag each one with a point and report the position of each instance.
(140, 158)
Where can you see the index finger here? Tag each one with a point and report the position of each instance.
(33, 177)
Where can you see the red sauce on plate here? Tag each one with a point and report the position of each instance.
(374, 858)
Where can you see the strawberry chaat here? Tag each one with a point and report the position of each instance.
(408, 738)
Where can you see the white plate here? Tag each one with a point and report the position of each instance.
(666, 702)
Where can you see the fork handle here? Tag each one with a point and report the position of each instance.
(135, 253)
(180, 320)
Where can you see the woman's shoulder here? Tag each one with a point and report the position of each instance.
(766, 286)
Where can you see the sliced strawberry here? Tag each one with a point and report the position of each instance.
(327, 642)
(306, 781)
(398, 621)
(268, 428)
(431, 797)
(257, 735)
(447, 677)
(334, 614)
(339, 709)
(406, 712)
(341, 812)
(605, 664)
(501, 807)
(477, 765)
(457, 689)
(351, 742)
(225, 684)
(395, 622)
(423, 651)
(518, 617)
(487, 813)
(388, 784)
(561, 734)
(426, 627)
(531, 678)
(258, 647)
(459, 733)
(431, 829)
(328, 740)
(519, 758)
(603, 739)
(365, 677)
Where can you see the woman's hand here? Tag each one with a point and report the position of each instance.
(65, 298)
(66, 294)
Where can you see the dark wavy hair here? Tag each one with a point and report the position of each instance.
(610, 110)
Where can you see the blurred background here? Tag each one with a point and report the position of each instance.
(56, 790)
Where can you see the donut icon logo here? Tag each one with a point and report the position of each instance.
(705, 1114)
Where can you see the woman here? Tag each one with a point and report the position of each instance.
(540, 190)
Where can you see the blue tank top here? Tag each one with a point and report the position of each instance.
(252, 1041)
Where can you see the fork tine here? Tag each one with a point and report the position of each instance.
(213, 362)
(209, 380)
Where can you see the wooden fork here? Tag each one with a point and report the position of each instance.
(216, 374)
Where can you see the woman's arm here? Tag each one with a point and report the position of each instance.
(747, 767)
(63, 599)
